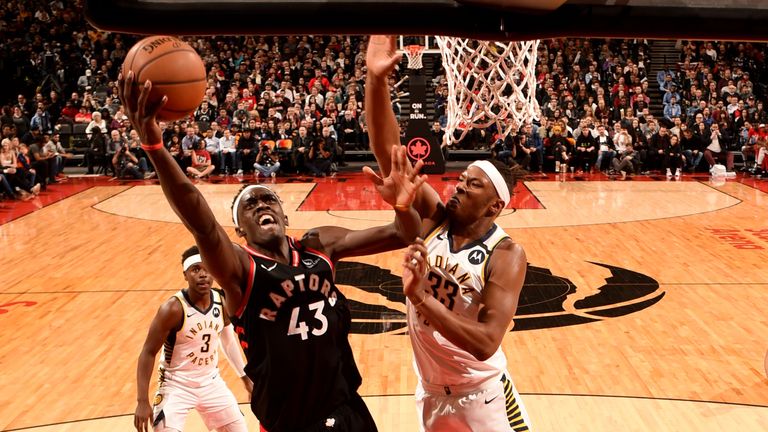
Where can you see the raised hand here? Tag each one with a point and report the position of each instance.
(382, 55)
(415, 267)
(399, 188)
(139, 110)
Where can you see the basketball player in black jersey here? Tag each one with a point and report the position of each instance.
(294, 321)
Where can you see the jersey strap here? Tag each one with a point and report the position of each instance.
(248, 287)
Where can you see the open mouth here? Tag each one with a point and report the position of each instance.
(267, 220)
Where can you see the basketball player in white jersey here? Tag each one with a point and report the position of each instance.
(462, 283)
(189, 327)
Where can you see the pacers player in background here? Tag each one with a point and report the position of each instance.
(189, 326)
(462, 283)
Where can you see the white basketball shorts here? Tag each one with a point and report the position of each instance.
(494, 406)
(214, 401)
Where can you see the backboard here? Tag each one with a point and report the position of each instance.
(478, 19)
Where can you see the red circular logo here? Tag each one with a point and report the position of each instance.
(418, 148)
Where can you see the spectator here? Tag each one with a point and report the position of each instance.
(188, 143)
(83, 116)
(44, 163)
(505, 150)
(349, 130)
(301, 146)
(673, 157)
(267, 163)
(717, 151)
(561, 147)
(23, 162)
(6, 190)
(585, 150)
(53, 146)
(128, 166)
(15, 176)
(228, 152)
(657, 149)
(213, 147)
(318, 160)
(606, 148)
(247, 145)
(672, 109)
(692, 147)
(20, 121)
(622, 164)
(41, 120)
(202, 166)
(97, 150)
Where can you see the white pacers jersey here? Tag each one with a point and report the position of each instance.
(191, 355)
(456, 279)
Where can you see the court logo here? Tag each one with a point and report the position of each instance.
(418, 148)
(541, 303)
(476, 257)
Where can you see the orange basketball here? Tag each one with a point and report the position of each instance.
(176, 71)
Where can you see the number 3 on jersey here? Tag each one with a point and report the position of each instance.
(301, 328)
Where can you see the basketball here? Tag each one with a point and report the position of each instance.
(175, 70)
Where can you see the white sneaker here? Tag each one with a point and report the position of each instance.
(677, 174)
(669, 173)
(239, 172)
(256, 174)
(273, 175)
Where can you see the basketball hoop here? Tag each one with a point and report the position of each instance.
(414, 54)
(486, 81)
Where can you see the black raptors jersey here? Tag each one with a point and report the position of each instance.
(293, 324)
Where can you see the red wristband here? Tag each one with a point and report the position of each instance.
(152, 147)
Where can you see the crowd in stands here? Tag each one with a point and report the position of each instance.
(287, 105)
(595, 99)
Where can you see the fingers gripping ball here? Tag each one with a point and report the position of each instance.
(175, 70)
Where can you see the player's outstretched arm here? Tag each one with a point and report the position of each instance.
(168, 318)
(229, 344)
(481, 338)
(383, 129)
(227, 262)
(397, 189)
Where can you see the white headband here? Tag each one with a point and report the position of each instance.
(239, 197)
(190, 261)
(498, 181)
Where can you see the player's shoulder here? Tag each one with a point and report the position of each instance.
(507, 248)
(171, 311)
(220, 292)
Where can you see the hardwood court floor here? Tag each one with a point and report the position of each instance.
(644, 307)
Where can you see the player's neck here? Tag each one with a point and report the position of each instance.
(463, 234)
(279, 251)
(199, 300)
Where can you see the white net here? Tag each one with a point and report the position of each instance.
(488, 83)
(414, 53)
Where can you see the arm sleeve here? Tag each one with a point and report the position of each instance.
(232, 350)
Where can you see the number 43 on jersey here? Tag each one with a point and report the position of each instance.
(296, 327)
